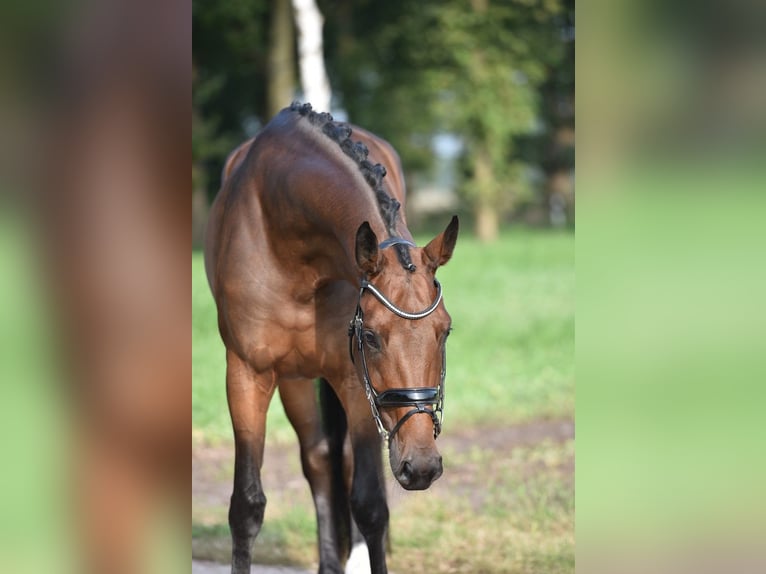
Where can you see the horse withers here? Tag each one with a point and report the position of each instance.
(316, 277)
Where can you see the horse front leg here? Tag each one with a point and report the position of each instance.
(249, 396)
(368, 489)
(368, 498)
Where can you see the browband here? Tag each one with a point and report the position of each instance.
(396, 241)
(396, 310)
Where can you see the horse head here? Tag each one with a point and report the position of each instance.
(398, 337)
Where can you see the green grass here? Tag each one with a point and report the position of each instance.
(510, 357)
(508, 514)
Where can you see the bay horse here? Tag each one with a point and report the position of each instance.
(316, 277)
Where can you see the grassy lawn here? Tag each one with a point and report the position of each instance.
(501, 507)
(510, 358)
(512, 513)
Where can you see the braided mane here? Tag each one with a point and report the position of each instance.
(340, 133)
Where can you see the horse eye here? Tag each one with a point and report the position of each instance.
(371, 340)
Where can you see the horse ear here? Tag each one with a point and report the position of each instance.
(367, 256)
(440, 249)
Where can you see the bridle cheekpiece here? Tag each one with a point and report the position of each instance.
(427, 400)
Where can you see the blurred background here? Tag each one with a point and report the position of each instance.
(477, 97)
(670, 278)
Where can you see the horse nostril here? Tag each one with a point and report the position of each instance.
(405, 476)
(436, 472)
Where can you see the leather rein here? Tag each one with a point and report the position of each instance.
(426, 400)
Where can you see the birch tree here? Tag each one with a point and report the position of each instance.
(316, 85)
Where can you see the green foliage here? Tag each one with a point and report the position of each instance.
(405, 70)
(470, 67)
(229, 56)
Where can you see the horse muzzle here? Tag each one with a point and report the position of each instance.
(419, 472)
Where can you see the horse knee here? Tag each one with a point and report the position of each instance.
(316, 459)
(246, 510)
(370, 512)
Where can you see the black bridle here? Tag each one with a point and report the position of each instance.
(427, 400)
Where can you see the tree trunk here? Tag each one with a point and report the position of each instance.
(484, 183)
(281, 58)
(486, 223)
(316, 85)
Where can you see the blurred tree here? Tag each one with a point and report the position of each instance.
(231, 58)
(558, 113)
(244, 68)
(314, 81)
(496, 73)
(281, 80)
(472, 67)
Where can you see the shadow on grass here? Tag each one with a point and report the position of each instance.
(213, 543)
(288, 539)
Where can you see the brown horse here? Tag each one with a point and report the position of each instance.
(316, 276)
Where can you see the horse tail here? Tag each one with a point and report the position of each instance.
(335, 427)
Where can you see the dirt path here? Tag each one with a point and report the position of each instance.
(212, 469)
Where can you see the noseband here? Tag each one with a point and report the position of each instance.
(428, 400)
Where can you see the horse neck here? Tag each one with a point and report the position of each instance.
(316, 198)
(318, 219)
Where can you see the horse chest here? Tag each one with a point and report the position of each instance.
(298, 346)
(291, 332)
